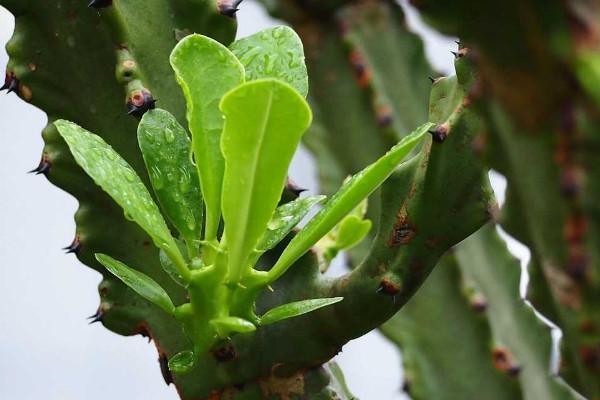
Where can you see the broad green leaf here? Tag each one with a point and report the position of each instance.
(273, 53)
(183, 362)
(286, 217)
(206, 70)
(264, 121)
(166, 149)
(351, 230)
(142, 284)
(295, 309)
(345, 200)
(111, 172)
(224, 326)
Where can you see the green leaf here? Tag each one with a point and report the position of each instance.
(295, 309)
(111, 172)
(206, 70)
(142, 284)
(264, 121)
(166, 149)
(345, 200)
(273, 53)
(286, 217)
(224, 326)
(169, 267)
(183, 362)
(351, 231)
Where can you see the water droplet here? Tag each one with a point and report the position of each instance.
(170, 176)
(221, 56)
(289, 79)
(184, 180)
(277, 32)
(264, 36)
(130, 176)
(158, 181)
(169, 135)
(275, 224)
(191, 223)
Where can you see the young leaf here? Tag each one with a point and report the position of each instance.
(286, 217)
(345, 200)
(169, 267)
(264, 121)
(351, 230)
(224, 326)
(273, 53)
(111, 172)
(183, 362)
(166, 149)
(295, 309)
(142, 284)
(206, 70)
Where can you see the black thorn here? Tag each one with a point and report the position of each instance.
(98, 317)
(514, 370)
(455, 54)
(74, 247)
(164, 368)
(5, 86)
(14, 85)
(42, 168)
(379, 290)
(432, 79)
(99, 3)
(139, 103)
(438, 136)
(228, 8)
(293, 188)
(457, 42)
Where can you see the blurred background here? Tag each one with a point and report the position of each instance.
(47, 348)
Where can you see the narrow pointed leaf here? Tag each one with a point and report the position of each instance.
(345, 200)
(167, 264)
(111, 172)
(275, 52)
(351, 230)
(296, 309)
(264, 121)
(166, 149)
(206, 70)
(286, 217)
(224, 326)
(183, 362)
(142, 284)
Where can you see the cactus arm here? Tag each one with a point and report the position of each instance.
(540, 137)
(445, 344)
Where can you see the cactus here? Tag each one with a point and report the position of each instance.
(107, 69)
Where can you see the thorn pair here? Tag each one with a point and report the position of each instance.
(140, 102)
(11, 83)
(43, 167)
(97, 317)
(440, 133)
(74, 247)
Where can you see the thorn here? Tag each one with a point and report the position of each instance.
(74, 247)
(293, 188)
(432, 80)
(99, 3)
(43, 167)
(98, 317)
(457, 42)
(228, 8)
(140, 102)
(455, 54)
(14, 85)
(440, 133)
(8, 78)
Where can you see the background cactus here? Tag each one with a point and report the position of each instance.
(527, 106)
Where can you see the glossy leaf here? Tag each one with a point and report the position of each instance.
(111, 172)
(167, 264)
(142, 284)
(351, 231)
(296, 309)
(264, 121)
(224, 326)
(275, 52)
(345, 200)
(166, 149)
(183, 362)
(206, 70)
(286, 217)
